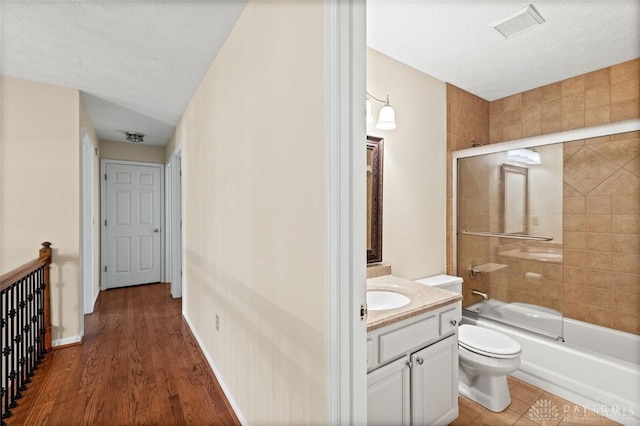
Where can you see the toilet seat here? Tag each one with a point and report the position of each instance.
(487, 342)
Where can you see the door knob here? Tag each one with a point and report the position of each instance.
(420, 361)
(156, 230)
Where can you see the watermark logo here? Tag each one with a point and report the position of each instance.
(544, 410)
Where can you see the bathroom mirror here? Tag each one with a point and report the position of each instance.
(375, 151)
(514, 200)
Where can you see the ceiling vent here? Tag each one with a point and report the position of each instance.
(518, 21)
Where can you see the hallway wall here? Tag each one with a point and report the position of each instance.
(254, 213)
(40, 190)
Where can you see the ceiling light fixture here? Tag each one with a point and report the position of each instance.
(386, 117)
(518, 21)
(524, 155)
(134, 137)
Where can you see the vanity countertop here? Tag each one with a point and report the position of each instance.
(423, 299)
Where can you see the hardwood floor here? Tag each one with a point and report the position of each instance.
(138, 364)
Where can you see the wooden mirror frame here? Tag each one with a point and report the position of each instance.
(375, 152)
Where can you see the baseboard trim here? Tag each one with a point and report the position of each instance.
(67, 341)
(216, 372)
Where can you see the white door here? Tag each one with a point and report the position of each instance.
(132, 224)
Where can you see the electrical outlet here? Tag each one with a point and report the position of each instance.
(217, 322)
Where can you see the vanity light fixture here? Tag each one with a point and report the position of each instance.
(386, 117)
(134, 137)
(524, 155)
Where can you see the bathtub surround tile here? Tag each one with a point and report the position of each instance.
(532, 97)
(573, 120)
(625, 91)
(626, 243)
(626, 204)
(618, 151)
(573, 257)
(626, 322)
(599, 316)
(598, 204)
(597, 97)
(626, 263)
(629, 283)
(574, 222)
(574, 205)
(550, 124)
(598, 278)
(587, 169)
(598, 223)
(573, 103)
(600, 260)
(625, 224)
(629, 70)
(625, 110)
(596, 79)
(621, 182)
(574, 240)
(572, 86)
(626, 303)
(575, 310)
(599, 297)
(598, 115)
(598, 241)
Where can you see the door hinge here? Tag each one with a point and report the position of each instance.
(363, 312)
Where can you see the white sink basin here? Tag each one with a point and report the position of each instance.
(378, 300)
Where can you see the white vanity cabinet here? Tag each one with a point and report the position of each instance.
(413, 369)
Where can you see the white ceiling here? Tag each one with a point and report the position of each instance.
(137, 64)
(454, 42)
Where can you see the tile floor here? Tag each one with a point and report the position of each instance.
(525, 398)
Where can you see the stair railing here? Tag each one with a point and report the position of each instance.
(25, 331)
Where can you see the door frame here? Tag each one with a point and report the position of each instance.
(173, 222)
(345, 154)
(103, 214)
(88, 221)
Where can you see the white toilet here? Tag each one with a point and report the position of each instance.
(486, 356)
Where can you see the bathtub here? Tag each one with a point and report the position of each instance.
(594, 366)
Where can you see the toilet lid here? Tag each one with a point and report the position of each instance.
(485, 341)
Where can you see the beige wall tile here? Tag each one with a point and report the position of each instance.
(574, 205)
(599, 278)
(599, 204)
(629, 283)
(597, 116)
(551, 92)
(574, 222)
(574, 240)
(600, 297)
(625, 91)
(598, 96)
(531, 112)
(598, 223)
(573, 120)
(626, 263)
(598, 241)
(626, 302)
(626, 204)
(625, 224)
(599, 260)
(532, 97)
(512, 103)
(551, 124)
(552, 108)
(572, 86)
(573, 257)
(573, 103)
(599, 316)
(626, 243)
(596, 78)
(573, 275)
(512, 132)
(531, 128)
(625, 71)
(625, 110)
(627, 322)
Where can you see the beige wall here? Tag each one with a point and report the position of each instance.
(126, 151)
(40, 190)
(254, 213)
(414, 179)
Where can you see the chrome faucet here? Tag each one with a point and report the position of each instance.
(485, 296)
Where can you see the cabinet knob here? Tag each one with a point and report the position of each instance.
(453, 322)
(420, 361)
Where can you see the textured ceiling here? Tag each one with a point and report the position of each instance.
(454, 42)
(137, 64)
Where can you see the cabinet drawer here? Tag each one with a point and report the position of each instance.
(449, 320)
(401, 340)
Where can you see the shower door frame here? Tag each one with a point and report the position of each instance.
(535, 141)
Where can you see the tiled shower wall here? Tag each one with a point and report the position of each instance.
(601, 277)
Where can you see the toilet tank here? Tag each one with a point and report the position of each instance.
(445, 282)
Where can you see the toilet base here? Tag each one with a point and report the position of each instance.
(492, 392)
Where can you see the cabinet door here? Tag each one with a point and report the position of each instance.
(388, 395)
(434, 383)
